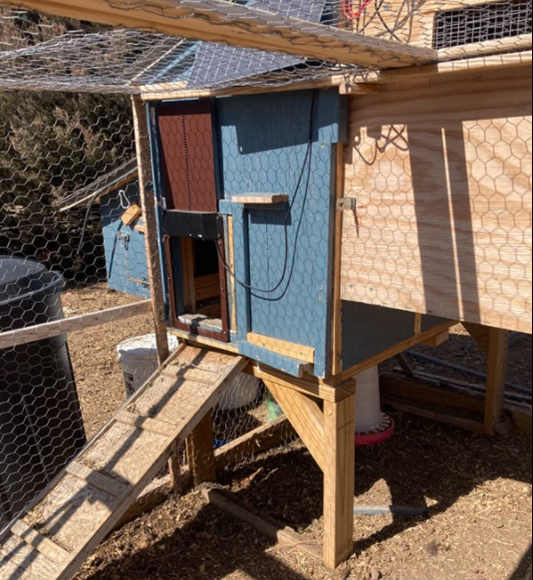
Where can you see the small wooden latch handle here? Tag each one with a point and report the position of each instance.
(261, 199)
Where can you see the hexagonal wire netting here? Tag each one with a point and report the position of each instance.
(72, 239)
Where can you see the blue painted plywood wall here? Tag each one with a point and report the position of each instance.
(127, 269)
(265, 148)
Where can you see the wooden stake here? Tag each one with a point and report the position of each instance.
(339, 480)
(201, 452)
(142, 144)
(496, 374)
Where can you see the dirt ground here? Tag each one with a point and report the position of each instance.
(94, 352)
(477, 491)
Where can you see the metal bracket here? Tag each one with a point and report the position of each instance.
(346, 204)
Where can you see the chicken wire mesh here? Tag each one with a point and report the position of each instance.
(47, 52)
(72, 243)
(69, 188)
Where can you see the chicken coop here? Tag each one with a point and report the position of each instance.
(329, 187)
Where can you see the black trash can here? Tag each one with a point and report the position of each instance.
(41, 427)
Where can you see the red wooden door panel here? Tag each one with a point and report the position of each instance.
(187, 156)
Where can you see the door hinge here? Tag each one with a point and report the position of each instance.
(346, 204)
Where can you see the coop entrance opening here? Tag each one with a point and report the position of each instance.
(199, 298)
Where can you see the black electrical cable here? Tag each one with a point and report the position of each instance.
(306, 164)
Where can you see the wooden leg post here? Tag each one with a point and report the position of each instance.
(496, 375)
(201, 451)
(339, 480)
(144, 163)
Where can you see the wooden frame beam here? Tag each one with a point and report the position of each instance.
(310, 386)
(242, 26)
(305, 416)
(144, 161)
(179, 91)
(496, 375)
(339, 481)
(463, 66)
(74, 324)
(282, 535)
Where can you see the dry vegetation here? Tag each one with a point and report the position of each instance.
(477, 491)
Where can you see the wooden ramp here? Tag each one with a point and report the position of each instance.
(85, 502)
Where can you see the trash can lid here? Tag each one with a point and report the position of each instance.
(20, 277)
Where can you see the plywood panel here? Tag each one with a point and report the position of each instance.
(442, 173)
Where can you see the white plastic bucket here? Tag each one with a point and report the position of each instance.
(138, 358)
(368, 415)
(244, 391)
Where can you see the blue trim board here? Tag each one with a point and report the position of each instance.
(288, 365)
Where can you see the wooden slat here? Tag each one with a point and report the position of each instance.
(163, 91)
(295, 351)
(456, 68)
(207, 292)
(422, 393)
(22, 562)
(189, 374)
(435, 233)
(132, 214)
(96, 479)
(339, 481)
(261, 199)
(151, 425)
(206, 281)
(242, 26)
(440, 417)
(86, 503)
(51, 551)
(281, 534)
(74, 324)
(305, 416)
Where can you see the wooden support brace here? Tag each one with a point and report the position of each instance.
(496, 375)
(200, 451)
(339, 480)
(305, 416)
(281, 534)
(144, 162)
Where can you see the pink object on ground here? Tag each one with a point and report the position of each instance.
(376, 438)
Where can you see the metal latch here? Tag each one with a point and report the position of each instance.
(346, 204)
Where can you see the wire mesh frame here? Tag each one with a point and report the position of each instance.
(50, 53)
